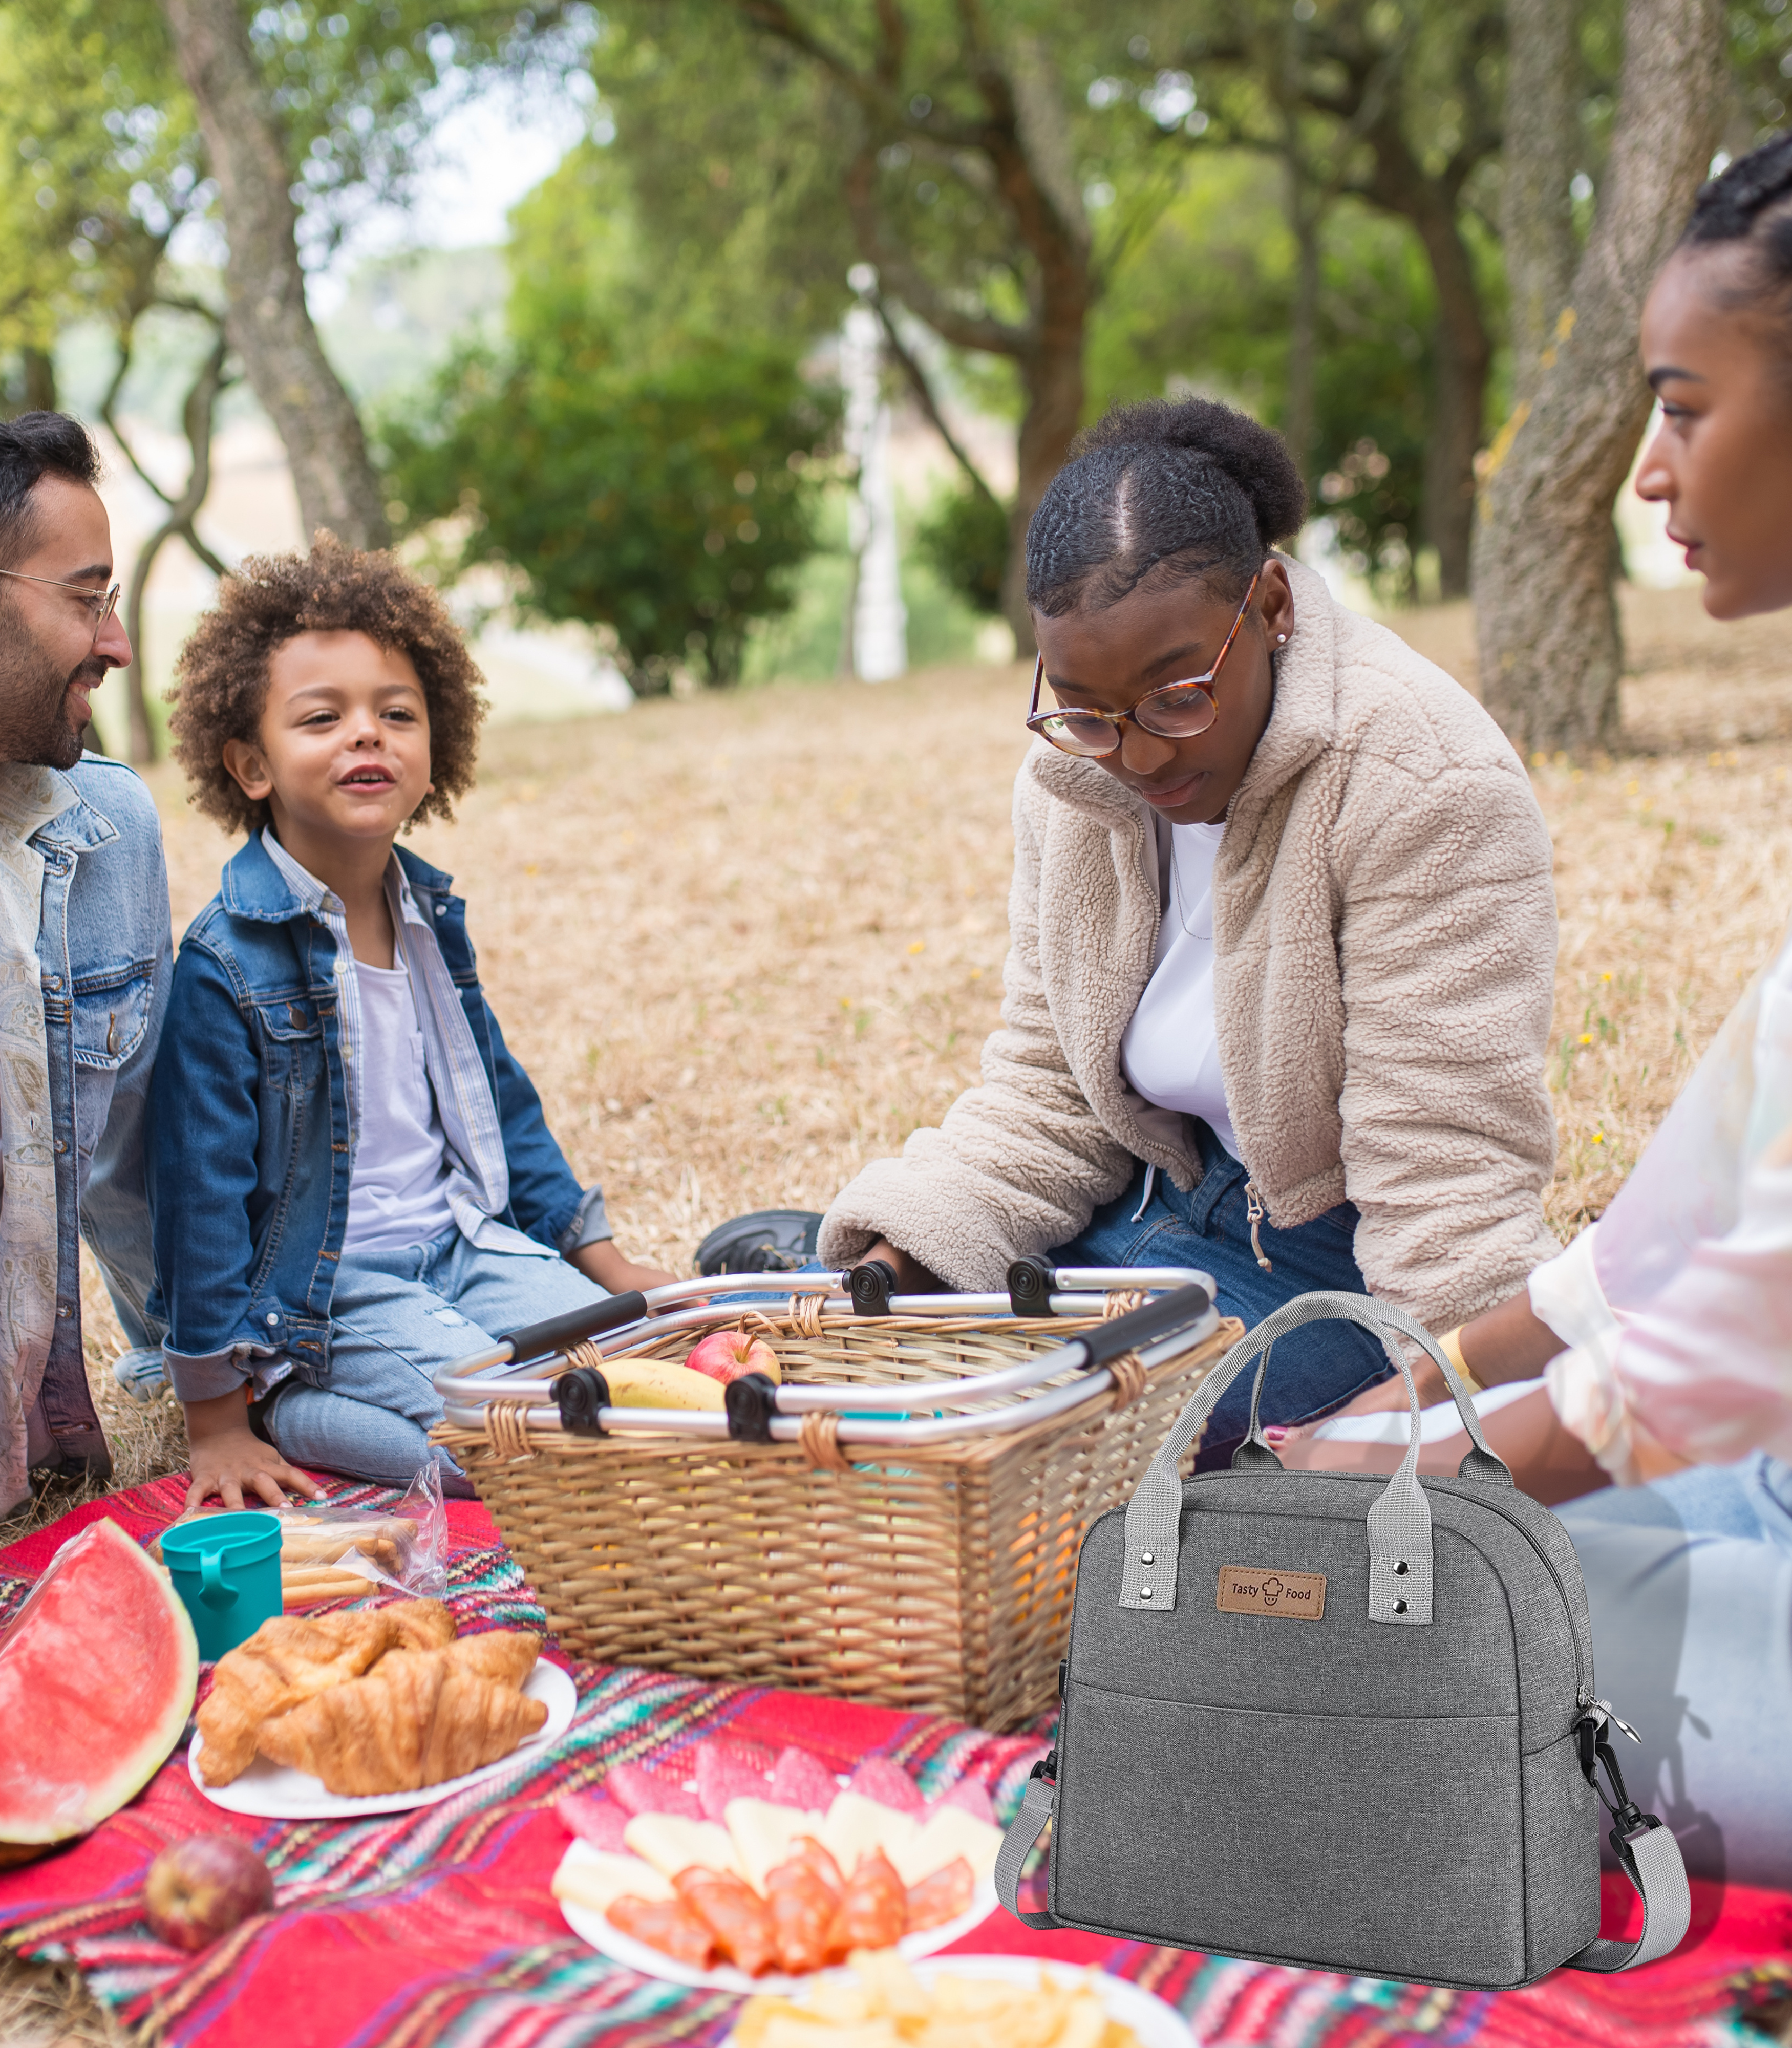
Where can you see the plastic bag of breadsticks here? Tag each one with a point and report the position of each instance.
(329, 1552)
(325, 1549)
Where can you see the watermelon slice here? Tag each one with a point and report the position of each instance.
(726, 1771)
(97, 1676)
(888, 1783)
(639, 1790)
(800, 1779)
(595, 1820)
(970, 1796)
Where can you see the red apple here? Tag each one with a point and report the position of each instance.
(726, 1355)
(200, 1888)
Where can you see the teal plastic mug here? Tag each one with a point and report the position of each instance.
(226, 1568)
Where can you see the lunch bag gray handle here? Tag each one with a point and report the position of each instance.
(1399, 1521)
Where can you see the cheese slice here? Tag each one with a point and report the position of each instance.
(764, 1834)
(671, 1844)
(855, 1826)
(597, 1878)
(950, 1832)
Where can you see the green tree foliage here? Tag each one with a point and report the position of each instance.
(99, 162)
(952, 147)
(963, 537)
(640, 460)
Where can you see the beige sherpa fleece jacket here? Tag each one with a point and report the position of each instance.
(1385, 940)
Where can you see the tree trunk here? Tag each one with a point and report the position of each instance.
(1053, 380)
(1463, 355)
(1301, 426)
(269, 323)
(199, 416)
(1542, 138)
(39, 366)
(1550, 655)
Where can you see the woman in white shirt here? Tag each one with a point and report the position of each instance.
(1282, 937)
(1664, 1332)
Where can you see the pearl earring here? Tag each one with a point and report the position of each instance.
(1280, 639)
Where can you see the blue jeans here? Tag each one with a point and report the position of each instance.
(1314, 1369)
(396, 1319)
(1690, 1585)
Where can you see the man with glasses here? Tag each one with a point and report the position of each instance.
(85, 955)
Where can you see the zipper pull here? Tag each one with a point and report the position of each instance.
(1254, 1210)
(1605, 1707)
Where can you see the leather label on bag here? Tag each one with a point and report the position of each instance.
(1293, 1595)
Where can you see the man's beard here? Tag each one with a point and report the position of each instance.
(36, 722)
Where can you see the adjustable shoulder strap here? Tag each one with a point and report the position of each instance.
(1651, 1860)
(1027, 1826)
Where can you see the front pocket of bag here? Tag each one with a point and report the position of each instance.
(1380, 1847)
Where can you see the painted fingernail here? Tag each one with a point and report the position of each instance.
(1275, 1434)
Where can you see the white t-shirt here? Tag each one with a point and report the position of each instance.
(397, 1194)
(1170, 1052)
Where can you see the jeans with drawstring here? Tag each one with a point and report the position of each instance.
(1313, 1370)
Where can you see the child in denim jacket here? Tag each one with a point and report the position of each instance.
(352, 1179)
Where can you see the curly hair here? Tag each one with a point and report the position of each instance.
(222, 674)
(1171, 489)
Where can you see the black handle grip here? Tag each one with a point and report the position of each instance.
(537, 1340)
(579, 1395)
(1029, 1287)
(871, 1283)
(751, 1401)
(1167, 1314)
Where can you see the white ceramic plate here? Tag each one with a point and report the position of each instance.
(272, 1793)
(621, 1948)
(1155, 2024)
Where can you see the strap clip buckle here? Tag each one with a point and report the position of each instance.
(1596, 1752)
(1046, 1768)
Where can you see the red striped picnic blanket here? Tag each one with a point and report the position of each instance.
(437, 1927)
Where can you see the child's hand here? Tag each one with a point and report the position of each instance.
(605, 1264)
(228, 1459)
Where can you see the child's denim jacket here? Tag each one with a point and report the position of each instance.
(249, 1146)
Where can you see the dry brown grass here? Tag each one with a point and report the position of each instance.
(745, 945)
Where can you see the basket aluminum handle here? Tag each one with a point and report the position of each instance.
(1160, 1330)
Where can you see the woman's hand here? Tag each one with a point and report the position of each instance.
(228, 1459)
(912, 1276)
(604, 1263)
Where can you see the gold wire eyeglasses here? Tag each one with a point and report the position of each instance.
(102, 603)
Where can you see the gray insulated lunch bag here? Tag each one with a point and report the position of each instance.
(1339, 1721)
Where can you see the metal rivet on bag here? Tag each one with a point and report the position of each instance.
(1145, 1593)
(1399, 1607)
(1145, 1557)
(1400, 1568)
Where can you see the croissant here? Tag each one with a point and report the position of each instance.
(418, 1721)
(287, 1661)
(421, 1624)
(506, 1656)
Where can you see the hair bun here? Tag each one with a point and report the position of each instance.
(1726, 206)
(1255, 457)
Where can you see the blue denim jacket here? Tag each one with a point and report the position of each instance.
(105, 950)
(250, 1150)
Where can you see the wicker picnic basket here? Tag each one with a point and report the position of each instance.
(923, 1563)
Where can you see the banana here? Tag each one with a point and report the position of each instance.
(657, 1382)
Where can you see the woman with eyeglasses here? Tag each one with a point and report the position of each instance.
(1283, 937)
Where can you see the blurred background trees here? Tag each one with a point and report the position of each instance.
(1365, 220)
